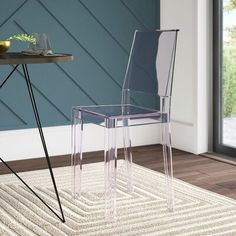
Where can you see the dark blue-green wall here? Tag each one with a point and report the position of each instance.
(97, 32)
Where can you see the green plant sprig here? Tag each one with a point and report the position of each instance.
(23, 37)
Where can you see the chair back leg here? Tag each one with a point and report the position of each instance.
(110, 168)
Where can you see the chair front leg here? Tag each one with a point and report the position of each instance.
(76, 156)
(128, 154)
(167, 155)
(110, 160)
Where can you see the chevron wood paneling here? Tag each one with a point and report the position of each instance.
(97, 33)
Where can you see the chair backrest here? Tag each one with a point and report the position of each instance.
(149, 73)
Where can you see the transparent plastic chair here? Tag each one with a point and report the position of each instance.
(146, 99)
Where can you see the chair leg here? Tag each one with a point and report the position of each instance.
(167, 155)
(128, 155)
(110, 160)
(76, 156)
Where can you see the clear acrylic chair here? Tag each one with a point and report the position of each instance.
(146, 98)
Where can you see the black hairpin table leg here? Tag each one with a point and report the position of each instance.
(37, 118)
(54, 212)
(14, 58)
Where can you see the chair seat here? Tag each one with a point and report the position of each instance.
(137, 115)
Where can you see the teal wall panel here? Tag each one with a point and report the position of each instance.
(99, 35)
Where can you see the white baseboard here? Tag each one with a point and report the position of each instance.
(183, 136)
(25, 144)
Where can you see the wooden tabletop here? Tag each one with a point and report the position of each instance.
(20, 58)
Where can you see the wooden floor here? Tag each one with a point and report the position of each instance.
(204, 172)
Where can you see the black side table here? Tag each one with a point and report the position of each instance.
(18, 59)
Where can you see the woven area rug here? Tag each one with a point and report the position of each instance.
(198, 212)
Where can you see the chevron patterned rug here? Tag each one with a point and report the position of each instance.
(198, 212)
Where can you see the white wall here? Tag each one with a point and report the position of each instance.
(191, 89)
(24, 144)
